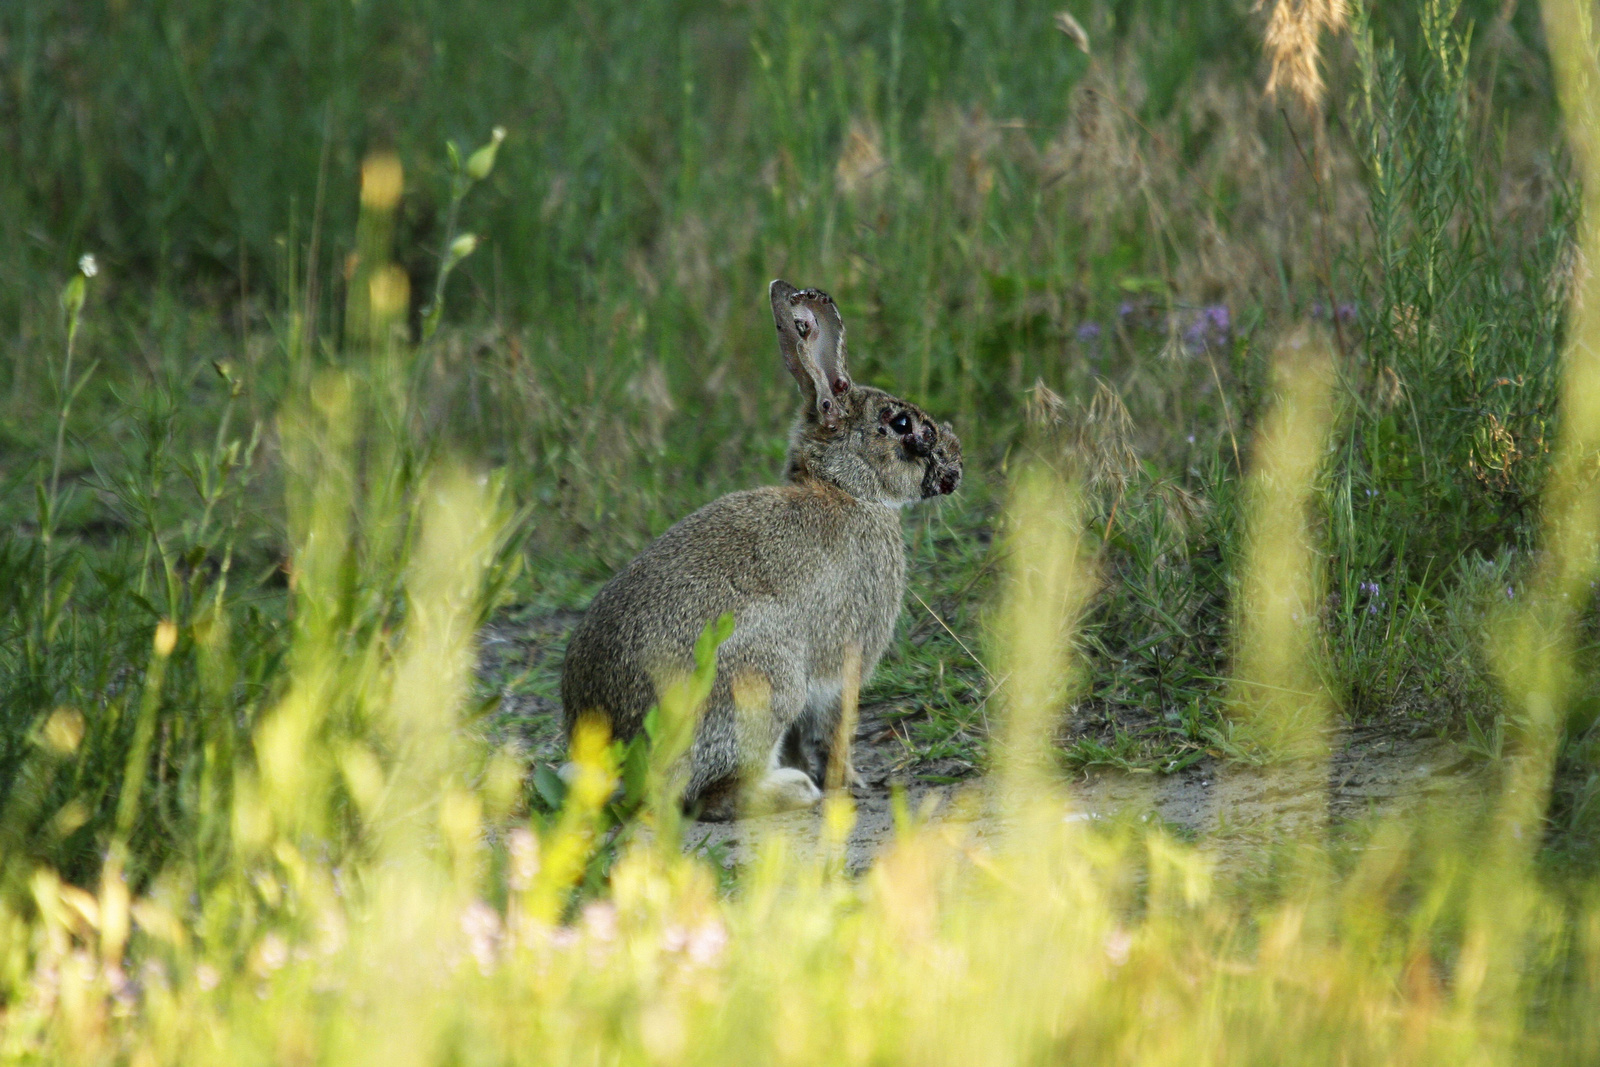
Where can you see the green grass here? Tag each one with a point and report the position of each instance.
(989, 216)
(236, 675)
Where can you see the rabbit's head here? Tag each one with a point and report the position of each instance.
(872, 445)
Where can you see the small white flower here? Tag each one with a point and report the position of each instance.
(481, 924)
(601, 920)
(523, 848)
(271, 953)
(1118, 944)
(703, 944)
(87, 264)
(707, 941)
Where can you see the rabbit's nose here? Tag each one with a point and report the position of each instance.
(940, 477)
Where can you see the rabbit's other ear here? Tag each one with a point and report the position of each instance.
(811, 339)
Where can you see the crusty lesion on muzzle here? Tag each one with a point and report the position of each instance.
(942, 448)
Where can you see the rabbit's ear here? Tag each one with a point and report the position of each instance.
(811, 338)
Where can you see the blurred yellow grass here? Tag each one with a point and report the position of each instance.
(1276, 691)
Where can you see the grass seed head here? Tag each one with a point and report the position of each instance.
(166, 638)
(381, 182)
(1074, 30)
(861, 163)
(1292, 38)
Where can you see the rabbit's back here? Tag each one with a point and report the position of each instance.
(803, 566)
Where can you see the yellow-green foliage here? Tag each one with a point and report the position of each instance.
(1051, 941)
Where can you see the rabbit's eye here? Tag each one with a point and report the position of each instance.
(901, 423)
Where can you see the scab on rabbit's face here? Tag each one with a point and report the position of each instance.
(813, 572)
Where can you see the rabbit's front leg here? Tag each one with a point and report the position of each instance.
(768, 703)
(820, 737)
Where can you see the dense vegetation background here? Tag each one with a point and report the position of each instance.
(305, 314)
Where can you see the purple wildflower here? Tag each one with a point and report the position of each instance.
(1346, 312)
(1088, 332)
(1209, 328)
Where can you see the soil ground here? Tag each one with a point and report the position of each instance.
(1232, 809)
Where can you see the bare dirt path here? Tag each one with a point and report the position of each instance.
(1230, 808)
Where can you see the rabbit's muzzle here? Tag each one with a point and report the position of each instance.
(940, 480)
(942, 451)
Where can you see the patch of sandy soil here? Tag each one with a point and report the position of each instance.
(1230, 808)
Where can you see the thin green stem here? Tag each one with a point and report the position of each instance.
(66, 395)
(458, 192)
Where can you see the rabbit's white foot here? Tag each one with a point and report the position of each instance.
(782, 789)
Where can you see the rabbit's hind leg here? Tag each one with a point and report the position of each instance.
(737, 761)
(779, 789)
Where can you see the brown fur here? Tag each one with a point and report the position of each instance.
(810, 570)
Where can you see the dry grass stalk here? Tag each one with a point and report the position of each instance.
(1093, 442)
(1294, 30)
(1110, 167)
(969, 140)
(1043, 408)
(1074, 30)
(861, 165)
(1391, 389)
(651, 391)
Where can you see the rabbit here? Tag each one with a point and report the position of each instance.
(813, 571)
